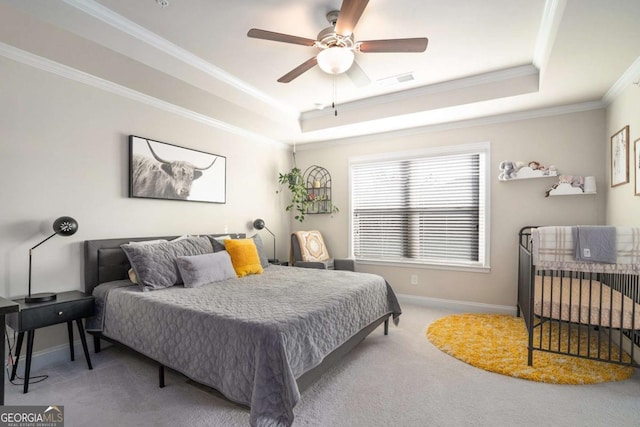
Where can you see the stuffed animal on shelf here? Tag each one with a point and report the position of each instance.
(578, 181)
(536, 166)
(508, 170)
(565, 179)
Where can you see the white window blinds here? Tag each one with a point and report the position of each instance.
(427, 209)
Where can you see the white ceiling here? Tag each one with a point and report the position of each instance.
(484, 58)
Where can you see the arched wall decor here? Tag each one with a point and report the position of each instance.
(318, 182)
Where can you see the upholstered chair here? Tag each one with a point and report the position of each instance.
(308, 250)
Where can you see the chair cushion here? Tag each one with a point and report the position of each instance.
(312, 247)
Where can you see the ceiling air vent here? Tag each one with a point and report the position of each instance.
(395, 80)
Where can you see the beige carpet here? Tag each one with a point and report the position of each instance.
(498, 343)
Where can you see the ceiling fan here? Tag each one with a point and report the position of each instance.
(337, 44)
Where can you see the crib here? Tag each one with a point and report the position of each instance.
(583, 309)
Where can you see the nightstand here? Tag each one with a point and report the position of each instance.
(67, 307)
(6, 307)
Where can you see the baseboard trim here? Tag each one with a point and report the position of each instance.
(461, 306)
(43, 359)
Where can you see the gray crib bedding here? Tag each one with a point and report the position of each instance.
(250, 337)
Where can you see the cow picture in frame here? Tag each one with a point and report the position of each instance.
(159, 170)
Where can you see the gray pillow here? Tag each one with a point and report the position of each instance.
(218, 242)
(264, 262)
(155, 265)
(199, 270)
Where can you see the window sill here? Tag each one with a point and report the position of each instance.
(406, 264)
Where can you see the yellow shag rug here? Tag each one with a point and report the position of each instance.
(498, 343)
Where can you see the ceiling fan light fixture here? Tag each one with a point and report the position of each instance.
(335, 60)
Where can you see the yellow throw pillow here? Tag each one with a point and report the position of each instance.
(244, 256)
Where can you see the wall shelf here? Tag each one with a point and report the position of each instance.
(566, 189)
(318, 182)
(527, 173)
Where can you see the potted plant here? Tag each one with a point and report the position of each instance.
(299, 196)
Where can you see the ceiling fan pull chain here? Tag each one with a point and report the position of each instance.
(333, 104)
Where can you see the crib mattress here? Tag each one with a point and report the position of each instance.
(584, 301)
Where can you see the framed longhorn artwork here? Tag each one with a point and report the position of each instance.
(158, 170)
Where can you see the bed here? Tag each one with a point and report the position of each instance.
(258, 339)
(578, 307)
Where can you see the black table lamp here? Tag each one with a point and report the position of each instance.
(258, 224)
(63, 226)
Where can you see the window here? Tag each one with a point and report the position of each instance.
(428, 207)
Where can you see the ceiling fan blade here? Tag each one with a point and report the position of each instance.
(279, 37)
(394, 45)
(305, 66)
(358, 76)
(349, 16)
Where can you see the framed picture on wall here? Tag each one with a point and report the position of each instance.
(620, 157)
(636, 173)
(158, 170)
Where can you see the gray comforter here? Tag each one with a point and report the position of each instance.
(249, 338)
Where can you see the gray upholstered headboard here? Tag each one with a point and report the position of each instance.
(105, 261)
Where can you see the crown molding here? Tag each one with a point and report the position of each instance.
(109, 17)
(65, 71)
(451, 85)
(70, 73)
(461, 124)
(549, 25)
(627, 78)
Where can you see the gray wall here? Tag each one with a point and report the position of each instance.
(64, 151)
(623, 207)
(571, 142)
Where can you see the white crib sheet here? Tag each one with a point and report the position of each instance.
(584, 301)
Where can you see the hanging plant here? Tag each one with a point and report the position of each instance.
(299, 195)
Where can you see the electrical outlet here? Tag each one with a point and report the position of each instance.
(414, 279)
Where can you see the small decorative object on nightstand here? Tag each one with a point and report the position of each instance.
(67, 307)
(63, 226)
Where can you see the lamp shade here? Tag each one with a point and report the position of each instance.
(335, 60)
(65, 226)
(258, 224)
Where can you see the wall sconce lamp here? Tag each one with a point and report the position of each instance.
(63, 226)
(259, 224)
